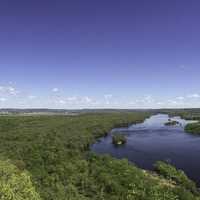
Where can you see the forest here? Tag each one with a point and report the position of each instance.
(49, 158)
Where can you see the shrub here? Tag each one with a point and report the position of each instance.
(15, 184)
(170, 172)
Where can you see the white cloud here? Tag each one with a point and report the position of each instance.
(148, 99)
(15, 98)
(160, 103)
(132, 103)
(1, 88)
(73, 98)
(172, 102)
(194, 95)
(55, 90)
(8, 90)
(2, 99)
(87, 99)
(32, 97)
(180, 98)
(81, 101)
(61, 101)
(108, 96)
(11, 89)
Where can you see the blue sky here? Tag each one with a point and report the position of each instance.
(100, 54)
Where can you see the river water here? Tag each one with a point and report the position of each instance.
(151, 141)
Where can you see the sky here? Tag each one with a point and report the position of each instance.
(99, 54)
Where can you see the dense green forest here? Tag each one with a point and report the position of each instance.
(48, 158)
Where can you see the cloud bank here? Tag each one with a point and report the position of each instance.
(13, 97)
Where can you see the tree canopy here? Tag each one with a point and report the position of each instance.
(15, 184)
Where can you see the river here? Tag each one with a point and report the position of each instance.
(151, 141)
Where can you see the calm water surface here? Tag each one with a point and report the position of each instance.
(152, 140)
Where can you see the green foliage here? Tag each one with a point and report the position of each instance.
(120, 180)
(55, 151)
(170, 172)
(193, 128)
(188, 114)
(15, 184)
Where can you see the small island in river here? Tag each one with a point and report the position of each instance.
(118, 139)
(172, 123)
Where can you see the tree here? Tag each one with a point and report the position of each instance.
(15, 184)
